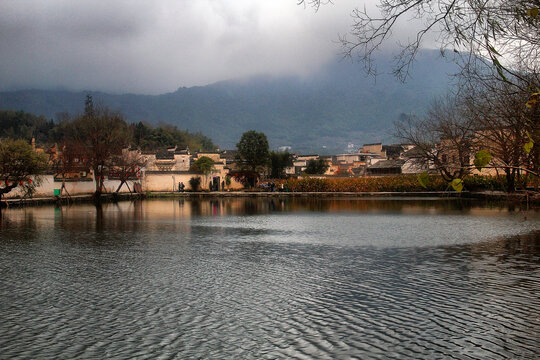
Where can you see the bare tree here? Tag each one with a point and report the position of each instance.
(126, 165)
(492, 118)
(443, 139)
(505, 125)
(102, 134)
(68, 158)
(494, 41)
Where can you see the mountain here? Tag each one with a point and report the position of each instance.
(322, 112)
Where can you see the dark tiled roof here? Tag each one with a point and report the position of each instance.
(229, 154)
(415, 152)
(388, 164)
(358, 170)
(372, 144)
(392, 150)
(179, 151)
(165, 155)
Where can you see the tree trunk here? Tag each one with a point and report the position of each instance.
(99, 183)
(510, 180)
(3, 191)
(99, 217)
(120, 186)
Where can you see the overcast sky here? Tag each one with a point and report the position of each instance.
(153, 47)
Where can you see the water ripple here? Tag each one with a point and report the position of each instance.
(229, 288)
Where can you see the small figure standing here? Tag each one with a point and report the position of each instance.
(272, 186)
(181, 187)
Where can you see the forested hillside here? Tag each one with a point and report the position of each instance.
(320, 112)
(23, 125)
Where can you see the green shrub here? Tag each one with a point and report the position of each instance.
(479, 182)
(195, 183)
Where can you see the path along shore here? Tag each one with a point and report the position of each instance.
(484, 195)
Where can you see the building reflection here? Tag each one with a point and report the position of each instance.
(133, 216)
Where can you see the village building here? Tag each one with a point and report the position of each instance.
(386, 167)
(375, 148)
(230, 157)
(171, 159)
(217, 176)
(71, 167)
(299, 164)
(388, 152)
(168, 169)
(414, 162)
(353, 164)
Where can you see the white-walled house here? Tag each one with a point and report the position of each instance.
(172, 159)
(163, 172)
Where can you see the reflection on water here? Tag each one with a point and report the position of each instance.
(271, 278)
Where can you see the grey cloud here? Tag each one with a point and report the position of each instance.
(157, 46)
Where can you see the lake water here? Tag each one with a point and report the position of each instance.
(271, 278)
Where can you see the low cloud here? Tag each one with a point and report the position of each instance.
(154, 47)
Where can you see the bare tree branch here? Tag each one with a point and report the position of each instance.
(502, 34)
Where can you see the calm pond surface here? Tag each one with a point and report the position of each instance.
(271, 278)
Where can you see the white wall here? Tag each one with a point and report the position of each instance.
(47, 186)
(168, 182)
(150, 182)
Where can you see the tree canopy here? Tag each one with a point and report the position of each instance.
(316, 167)
(18, 164)
(253, 150)
(23, 125)
(279, 161)
(203, 165)
(496, 43)
(148, 137)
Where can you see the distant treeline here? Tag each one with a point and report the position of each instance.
(23, 125)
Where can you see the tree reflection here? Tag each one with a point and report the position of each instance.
(99, 217)
(526, 246)
(196, 208)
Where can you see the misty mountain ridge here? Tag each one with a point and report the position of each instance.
(322, 112)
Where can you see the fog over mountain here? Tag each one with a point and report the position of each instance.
(322, 112)
(153, 47)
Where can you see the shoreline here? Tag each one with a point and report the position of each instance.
(484, 195)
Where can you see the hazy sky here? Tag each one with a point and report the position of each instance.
(156, 46)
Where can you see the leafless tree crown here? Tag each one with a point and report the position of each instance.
(503, 33)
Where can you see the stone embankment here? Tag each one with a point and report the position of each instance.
(484, 195)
